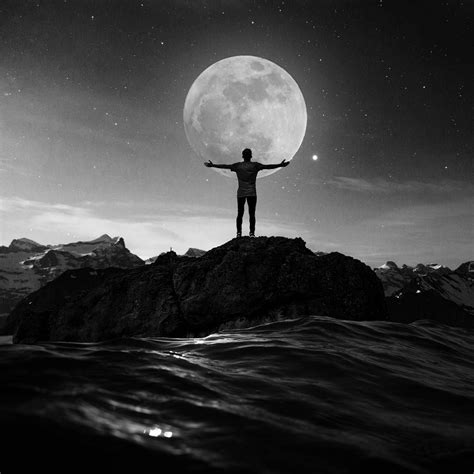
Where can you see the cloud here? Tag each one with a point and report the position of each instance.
(384, 186)
(440, 232)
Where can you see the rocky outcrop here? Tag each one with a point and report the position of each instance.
(25, 266)
(246, 281)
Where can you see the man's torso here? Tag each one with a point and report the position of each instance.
(247, 175)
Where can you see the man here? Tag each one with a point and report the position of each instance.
(247, 174)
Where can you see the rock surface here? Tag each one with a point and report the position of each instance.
(26, 266)
(243, 282)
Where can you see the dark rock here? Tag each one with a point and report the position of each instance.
(243, 282)
(320, 254)
(466, 268)
(3, 323)
(120, 242)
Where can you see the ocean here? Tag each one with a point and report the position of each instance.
(313, 394)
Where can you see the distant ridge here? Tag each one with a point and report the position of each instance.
(26, 265)
(25, 245)
(437, 281)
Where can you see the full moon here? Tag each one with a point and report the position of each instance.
(245, 102)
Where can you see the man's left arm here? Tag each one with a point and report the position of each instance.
(272, 167)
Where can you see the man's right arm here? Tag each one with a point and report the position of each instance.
(210, 164)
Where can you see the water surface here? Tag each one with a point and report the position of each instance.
(312, 395)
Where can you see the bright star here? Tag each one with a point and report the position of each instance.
(315, 157)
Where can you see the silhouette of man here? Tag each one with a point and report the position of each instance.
(247, 174)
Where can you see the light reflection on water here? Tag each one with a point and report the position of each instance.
(156, 431)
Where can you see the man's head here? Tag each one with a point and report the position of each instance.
(247, 154)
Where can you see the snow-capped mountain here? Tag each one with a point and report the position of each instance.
(26, 265)
(456, 286)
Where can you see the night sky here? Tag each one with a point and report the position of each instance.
(92, 138)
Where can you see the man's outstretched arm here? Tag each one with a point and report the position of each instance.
(210, 164)
(279, 165)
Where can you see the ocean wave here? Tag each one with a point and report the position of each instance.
(313, 394)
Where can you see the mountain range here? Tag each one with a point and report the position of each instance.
(430, 288)
(26, 266)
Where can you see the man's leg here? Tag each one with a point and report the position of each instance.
(252, 201)
(240, 213)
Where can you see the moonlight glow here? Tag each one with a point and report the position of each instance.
(245, 102)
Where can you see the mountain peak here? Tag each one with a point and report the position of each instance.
(103, 238)
(119, 241)
(25, 244)
(194, 252)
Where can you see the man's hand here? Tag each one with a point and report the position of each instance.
(284, 163)
(209, 164)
